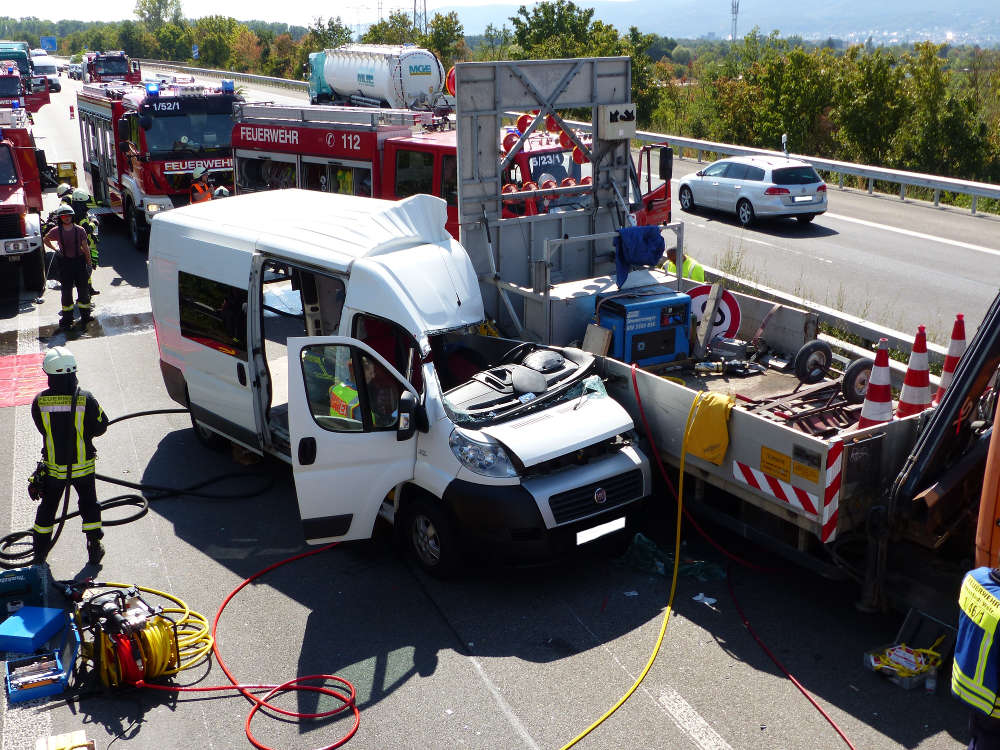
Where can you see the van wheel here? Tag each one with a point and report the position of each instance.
(206, 437)
(430, 538)
(33, 270)
(138, 232)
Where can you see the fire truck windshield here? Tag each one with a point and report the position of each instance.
(188, 126)
(8, 175)
(111, 66)
(10, 86)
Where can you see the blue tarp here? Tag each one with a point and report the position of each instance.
(637, 246)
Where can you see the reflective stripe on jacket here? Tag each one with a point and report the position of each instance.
(68, 429)
(975, 677)
(692, 269)
(343, 401)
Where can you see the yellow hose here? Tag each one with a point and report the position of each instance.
(673, 586)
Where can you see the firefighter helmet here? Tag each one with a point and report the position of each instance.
(198, 173)
(63, 210)
(81, 195)
(64, 189)
(59, 360)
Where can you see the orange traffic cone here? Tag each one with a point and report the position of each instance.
(877, 408)
(955, 351)
(71, 115)
(916, 394)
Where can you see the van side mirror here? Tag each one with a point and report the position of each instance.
(666, 163)
(407, 416)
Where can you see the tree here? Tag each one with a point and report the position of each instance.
(549, 20)
(136, 40)
(397, 29)
(175, 41)
(155, 13)
(869, 104)
(214, 36)
(495, 44)
(246, 51)
(328, 34)
(282, 58)
(445, 37)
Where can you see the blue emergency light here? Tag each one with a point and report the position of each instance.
(15, 105)
(228, 86)
(10, 71)
(152, 89)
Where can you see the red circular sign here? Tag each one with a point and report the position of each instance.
(727, 317)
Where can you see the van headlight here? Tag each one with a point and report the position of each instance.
(486, 458)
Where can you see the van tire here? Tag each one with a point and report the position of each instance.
(430, 538)
(33, 270)
(211, 440)
(138, 232)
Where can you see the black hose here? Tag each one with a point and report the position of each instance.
(10, 560)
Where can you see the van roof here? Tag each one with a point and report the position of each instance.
(317, 227)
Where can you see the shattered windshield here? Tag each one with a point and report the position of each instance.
(486, 380)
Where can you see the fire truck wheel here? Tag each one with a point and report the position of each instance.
(33, 270)
(138, 232)
(430, 537)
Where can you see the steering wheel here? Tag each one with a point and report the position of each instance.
(509, 355)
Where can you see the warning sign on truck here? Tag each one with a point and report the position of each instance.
(775, 464)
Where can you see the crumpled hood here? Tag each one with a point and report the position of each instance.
(561, 429)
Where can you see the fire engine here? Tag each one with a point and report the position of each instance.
(141, 144)
(13, 90)
(20, 202)
(102, 67)
(394, 153)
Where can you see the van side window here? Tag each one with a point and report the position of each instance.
(348, 390)
(414, 173)
(213, 314)
(392, 342)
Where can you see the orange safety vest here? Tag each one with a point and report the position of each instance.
(200, 192)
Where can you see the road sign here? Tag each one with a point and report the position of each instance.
(49, 43)
(194, 51)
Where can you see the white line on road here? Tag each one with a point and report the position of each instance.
(503, 705)
(918, 235)
(690, 721)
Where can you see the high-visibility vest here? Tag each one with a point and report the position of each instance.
(975, 677)
(343, 401)
(82, 466)
(200, 192)
(692, 269)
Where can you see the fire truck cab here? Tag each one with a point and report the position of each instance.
(21, 250)
(13, 89)
(102, 67)
(141, 144)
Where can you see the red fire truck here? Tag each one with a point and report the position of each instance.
(21, 247)
(387, 153)
(141, 144)
(103, 67)
(12, 88)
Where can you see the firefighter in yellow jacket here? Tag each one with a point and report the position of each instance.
(69, 419)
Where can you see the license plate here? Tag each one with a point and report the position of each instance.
(803, 198)
(589, 535)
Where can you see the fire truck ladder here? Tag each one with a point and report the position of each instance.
(372, 116)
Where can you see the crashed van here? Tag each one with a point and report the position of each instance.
(345, 336)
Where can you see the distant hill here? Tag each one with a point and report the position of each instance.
(964, 21)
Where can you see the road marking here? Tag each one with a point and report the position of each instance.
(918, 235)
(690, 721)
(502, 704)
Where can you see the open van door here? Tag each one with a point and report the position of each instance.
(351, 423)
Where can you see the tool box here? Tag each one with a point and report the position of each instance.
(918, 631)
(649, 329)
(66, 171)
(22, 587)
(43, 674)
(29, 628)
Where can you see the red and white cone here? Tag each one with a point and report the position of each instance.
(916, 394)
(955, 351)
(877, 408)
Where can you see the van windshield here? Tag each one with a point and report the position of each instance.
(486, 380)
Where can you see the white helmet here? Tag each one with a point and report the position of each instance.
(59, 360)
(221, 192)
(81, 195)
(198, 173)
(64, 189)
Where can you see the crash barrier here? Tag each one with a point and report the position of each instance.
(249, 78)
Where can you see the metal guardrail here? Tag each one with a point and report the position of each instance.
(250, 78)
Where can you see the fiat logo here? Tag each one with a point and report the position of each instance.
(600, 496)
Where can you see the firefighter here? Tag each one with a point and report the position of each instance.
(200, 189)
(975, 677)
(69, 419)
(692, 269)
(75, 265)
(81, 204)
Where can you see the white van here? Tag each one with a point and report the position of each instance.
(341, 335)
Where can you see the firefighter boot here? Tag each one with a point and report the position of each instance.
(41, 544)
(95, 550)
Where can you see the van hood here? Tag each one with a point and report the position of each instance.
(561, 429)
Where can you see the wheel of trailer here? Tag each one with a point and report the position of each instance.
(813, 360)
(138, 232)
(745, 212)
(686, 198)
(430, 538)
(33, 270)
(856, 380)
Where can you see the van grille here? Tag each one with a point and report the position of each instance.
(577, 503)
(10, 226)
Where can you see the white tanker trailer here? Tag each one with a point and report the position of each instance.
(373, 75)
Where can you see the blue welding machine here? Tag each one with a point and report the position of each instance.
(649, 328)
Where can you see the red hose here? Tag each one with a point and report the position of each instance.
(733, 558)
(347, 700)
